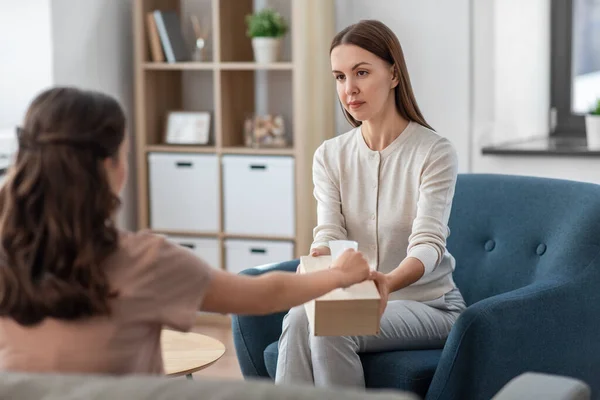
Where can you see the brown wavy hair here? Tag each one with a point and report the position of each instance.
(375, 37)
(57, 208)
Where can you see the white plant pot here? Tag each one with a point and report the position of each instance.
(592, 129)
(266, 49)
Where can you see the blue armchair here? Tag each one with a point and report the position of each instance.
(528, 265)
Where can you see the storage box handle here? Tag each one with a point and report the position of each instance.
(184, 164)
(258, 167)
(258, 251)
(188, 245)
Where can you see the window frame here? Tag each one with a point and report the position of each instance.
(564, 122)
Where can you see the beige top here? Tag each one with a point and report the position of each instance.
(160, 284)
(395, 203)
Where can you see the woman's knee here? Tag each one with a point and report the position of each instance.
(296, 319)
(321, 344)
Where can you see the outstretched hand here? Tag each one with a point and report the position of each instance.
(382, 283)
(353, 267)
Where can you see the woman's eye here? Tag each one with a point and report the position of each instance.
(339, 77)
(362, 73)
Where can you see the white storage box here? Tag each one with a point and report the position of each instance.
(243, 254)
(207, 249)
(259, 195)
(184, 192)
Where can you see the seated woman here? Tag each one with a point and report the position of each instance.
(77, 294)
(387, 184)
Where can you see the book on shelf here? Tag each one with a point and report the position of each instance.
(156, 50)
(171, 37)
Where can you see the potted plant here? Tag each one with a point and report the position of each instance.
(592, 126)
(266, 28)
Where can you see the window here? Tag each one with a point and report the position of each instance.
(575, 63)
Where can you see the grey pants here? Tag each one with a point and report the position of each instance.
(334, 360)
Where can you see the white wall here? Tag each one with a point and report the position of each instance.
(93, 49)
(25, 56)
(434, 35)
(511, 74)
(522, 68)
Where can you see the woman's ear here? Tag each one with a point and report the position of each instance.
(395, 76)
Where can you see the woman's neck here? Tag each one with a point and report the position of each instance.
(379, 132)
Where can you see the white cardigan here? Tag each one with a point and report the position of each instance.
(395, 203)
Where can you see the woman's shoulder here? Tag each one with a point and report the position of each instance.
(434, 150)
(140, 240)
(428, 136)
(431, 141)
(338, 145)
(144, 251)
(145, 248)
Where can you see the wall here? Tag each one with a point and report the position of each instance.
(435, 37)
(511, 71)
(25, 57)
(95, 51)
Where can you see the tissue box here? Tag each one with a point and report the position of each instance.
(353, 311)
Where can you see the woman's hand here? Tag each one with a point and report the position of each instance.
(383, 285)
(352, 266)
(317, 252)
(320, 251)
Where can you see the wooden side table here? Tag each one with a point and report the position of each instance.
(186, 353)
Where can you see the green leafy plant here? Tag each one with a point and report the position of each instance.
(596, 109)
(266, 23)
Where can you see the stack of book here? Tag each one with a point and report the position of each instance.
(166, 38)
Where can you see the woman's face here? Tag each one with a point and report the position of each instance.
(365, 83)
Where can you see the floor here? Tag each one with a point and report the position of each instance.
(227, 367)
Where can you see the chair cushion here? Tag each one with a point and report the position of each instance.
(270, 355)
(410, 370)
(405, 370)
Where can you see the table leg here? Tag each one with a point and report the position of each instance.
(190, 377)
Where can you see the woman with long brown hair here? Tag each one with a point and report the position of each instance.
(388, 184)
(79, 295)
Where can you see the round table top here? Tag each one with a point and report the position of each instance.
(185, 353)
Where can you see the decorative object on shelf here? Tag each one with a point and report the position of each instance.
(201, 41)
(265, 131)
(188, 127)
(266, 28)
(592, 126)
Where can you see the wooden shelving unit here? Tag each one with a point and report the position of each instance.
(226, 85)
(210, 66)
(181, 149)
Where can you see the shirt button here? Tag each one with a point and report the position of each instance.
(373, 216)
(373, 247)
(374, 186)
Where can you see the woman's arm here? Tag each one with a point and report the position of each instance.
(330, 221)
(279, 291)
(408, 272)
(427, 242)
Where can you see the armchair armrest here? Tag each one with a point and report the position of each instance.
(534, 386)
(252, 334)
(548, 327)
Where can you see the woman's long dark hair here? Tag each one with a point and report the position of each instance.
(57, 208)
(375, 37)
